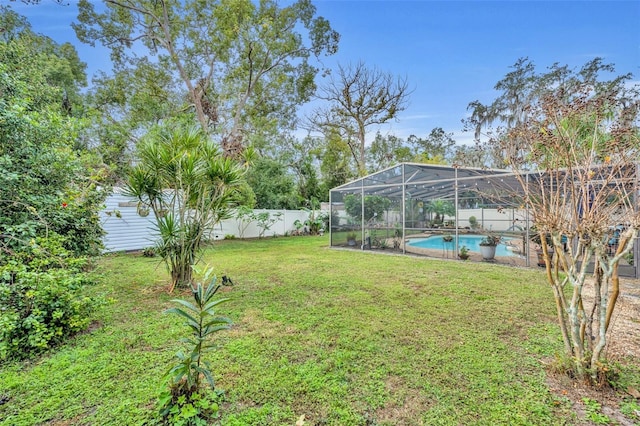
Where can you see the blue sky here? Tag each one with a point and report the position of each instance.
(452, 52)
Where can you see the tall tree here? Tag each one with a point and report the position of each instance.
(272, 184)
(435, 148)
(58, 64)
(336, 164)
(301, 157)
(469, 156)
(40, 168)
(386, 151)
(520, 88)
(517, 90)
(239, 66)
(358, 98)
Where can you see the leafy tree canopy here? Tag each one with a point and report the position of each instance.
(435, 148)
(336, 165)
(374, 206)
(42, 63)
(239, 66)
(385, 151)
(274, 188)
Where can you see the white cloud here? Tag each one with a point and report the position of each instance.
(418, 117)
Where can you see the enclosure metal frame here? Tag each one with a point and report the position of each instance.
(444, 180)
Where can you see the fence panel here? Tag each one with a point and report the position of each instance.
(126, 230)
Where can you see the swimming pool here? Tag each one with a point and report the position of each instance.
(472, 242)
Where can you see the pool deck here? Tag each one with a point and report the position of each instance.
(515, 243)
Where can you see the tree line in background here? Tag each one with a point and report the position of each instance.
(240, 71)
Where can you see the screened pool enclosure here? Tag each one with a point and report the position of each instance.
(438, 211)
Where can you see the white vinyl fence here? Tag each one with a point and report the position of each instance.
(126, 230)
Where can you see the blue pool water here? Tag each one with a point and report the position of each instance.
(472, 242)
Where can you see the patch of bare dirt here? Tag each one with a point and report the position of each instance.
(405, 407)
(93, 326)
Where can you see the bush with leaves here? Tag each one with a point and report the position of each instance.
(42, 300)
(187, 401)
(318, 220)
(264, 221)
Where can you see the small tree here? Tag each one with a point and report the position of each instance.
(244, 217)
(185, 401)
(265, 221)
(440, 208)
(374, 206)
(581, 135)
(187, 183)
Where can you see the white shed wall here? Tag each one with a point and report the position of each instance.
(129, 231)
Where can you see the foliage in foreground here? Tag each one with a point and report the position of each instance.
(50, 192)
(188, 401)
(42, 298)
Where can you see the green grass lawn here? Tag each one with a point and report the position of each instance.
(342, 337)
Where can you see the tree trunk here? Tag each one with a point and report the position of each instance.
(181, 277)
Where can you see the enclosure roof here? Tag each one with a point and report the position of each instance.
(429, 181)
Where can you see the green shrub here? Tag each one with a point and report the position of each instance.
(473, 222)
(40, 309)
(41, 298)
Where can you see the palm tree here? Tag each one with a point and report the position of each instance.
(184, 179)
(440, 208)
